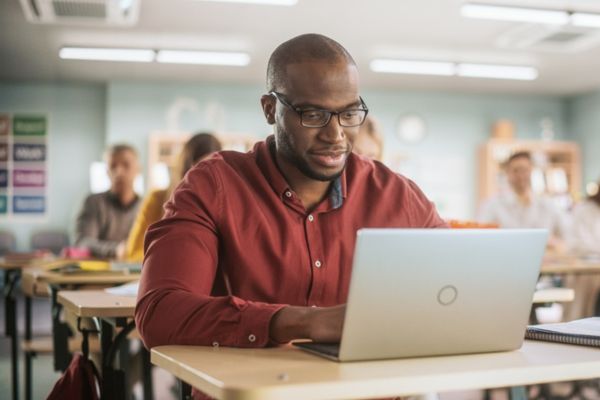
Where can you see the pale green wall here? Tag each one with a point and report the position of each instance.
(76, 119)
(84, 118)
(583, 113)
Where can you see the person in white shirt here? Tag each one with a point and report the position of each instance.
(586, 226)
(585, 241)
(521, 208)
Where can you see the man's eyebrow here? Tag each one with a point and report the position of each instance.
(306, 105)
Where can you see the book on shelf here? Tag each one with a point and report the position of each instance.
(582, 332)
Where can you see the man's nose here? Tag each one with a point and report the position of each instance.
(333, 132)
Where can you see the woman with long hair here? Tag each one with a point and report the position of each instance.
(197, 148)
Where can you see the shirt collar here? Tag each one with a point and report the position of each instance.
(265, 159)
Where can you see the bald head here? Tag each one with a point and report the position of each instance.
(310, 47)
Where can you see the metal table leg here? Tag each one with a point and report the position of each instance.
(113, 380)
(185, 390)
(147, 374)
(11, 277)
(60, 334)
(28, 355)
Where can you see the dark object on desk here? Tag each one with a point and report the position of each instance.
(328, 350)
(582, 332)
(79, 381)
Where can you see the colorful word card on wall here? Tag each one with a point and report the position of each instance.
(23, 165)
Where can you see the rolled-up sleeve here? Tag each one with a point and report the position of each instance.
(174, 304)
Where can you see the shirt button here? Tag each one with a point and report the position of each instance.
(215, 344)
(318, 264)
(288, 194)
(252, 338)
(311, 218)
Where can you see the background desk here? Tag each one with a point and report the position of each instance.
(289, 373)
(112, 311)
(569, 265)
(36, 280)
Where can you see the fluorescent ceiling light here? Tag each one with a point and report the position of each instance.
(497, 72)
(104, 54)
(266, 2)
(413, 67)
(446, 68)
(101, 54)
(585, 19)
(202, 57)
(484, 11)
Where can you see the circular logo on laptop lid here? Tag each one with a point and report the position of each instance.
(447, 295)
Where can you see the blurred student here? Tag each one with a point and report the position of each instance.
(586, 226)
(106, 218)
(521, 208)
(369, 141)
(585, 241)
(197, 148)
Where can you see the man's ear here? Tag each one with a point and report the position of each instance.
(268, 105)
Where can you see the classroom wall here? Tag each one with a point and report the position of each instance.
(583, 114)
(443, 163)
(76, 136)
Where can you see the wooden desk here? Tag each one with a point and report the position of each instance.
(553, 295)
(289, 373)
(97, 303)
(569, 265)
(112, 311)
(35, 277)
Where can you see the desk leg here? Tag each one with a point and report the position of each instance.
(113, 380)
(28, 355)
(11, 277)
(185, 390)
(147, 374)
(60, 335)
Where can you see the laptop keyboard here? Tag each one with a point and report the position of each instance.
(331, 349)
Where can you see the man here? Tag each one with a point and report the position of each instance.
(256, 249)
(104, 222)
(521, 208)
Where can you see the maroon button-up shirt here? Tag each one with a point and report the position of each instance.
(236, 245)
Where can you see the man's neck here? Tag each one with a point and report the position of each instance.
(524, 196)
(310, 191)
(126, 198)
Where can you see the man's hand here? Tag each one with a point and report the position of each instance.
(319, 324)
(121, 250)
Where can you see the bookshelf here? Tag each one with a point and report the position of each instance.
(557, 168)
(164, 149)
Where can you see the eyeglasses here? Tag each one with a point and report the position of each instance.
(314, 118)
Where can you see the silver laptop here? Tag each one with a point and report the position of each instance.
(427, 292)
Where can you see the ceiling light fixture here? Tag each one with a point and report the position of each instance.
(413, 67)
(446, 68)
(260, 2)
(518, 14)
(106, 54)
(585, 20)
(202, 57)
(496, 72)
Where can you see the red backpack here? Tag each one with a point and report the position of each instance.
(79, 382)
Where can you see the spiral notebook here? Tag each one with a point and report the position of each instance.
(582, 332)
